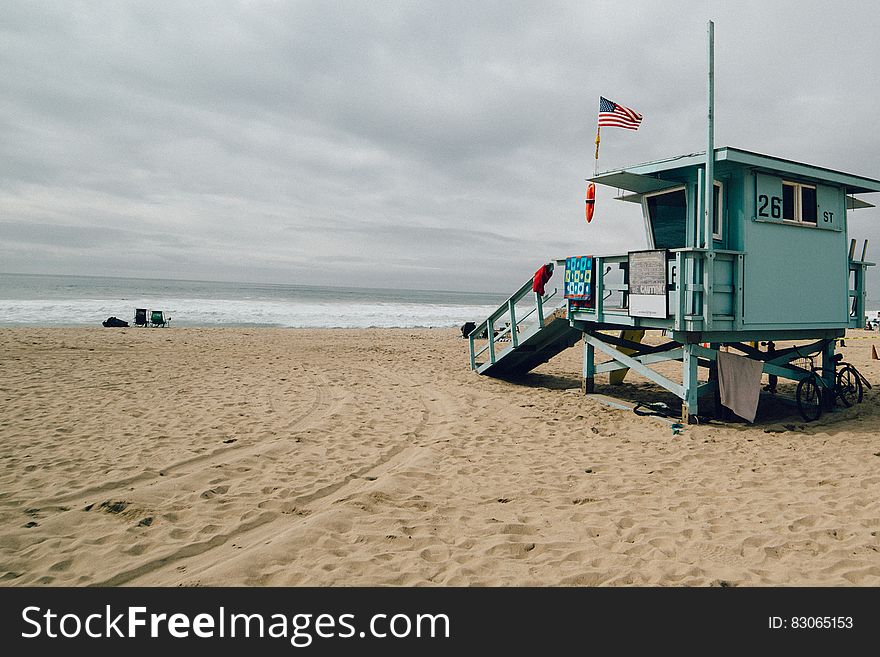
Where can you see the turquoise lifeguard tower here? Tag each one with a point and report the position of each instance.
(761, 253)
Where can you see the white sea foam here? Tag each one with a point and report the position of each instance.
(238, 312)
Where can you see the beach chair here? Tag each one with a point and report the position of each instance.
(140, 317)
(159, 318)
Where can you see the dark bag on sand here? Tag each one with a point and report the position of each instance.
(114, 321)
(466, 328)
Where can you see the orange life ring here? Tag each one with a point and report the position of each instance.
(590, 201)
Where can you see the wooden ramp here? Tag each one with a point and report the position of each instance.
(535, 346)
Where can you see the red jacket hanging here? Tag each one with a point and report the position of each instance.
(541, 277)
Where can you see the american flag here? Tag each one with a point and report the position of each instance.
(617, 116)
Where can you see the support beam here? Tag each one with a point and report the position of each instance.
(689, 406)
(588, 381)
(713, 383)
(646, 359)
(636, 366)
(706, 388)
(828, 364)
(638, 347)
(514, 338)
(778, 366)
(780, 355)
(679, 291)
(490, 333)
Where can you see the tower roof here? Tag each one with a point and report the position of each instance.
(648, 177)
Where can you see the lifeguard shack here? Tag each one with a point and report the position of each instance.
(774, 263)
(742, 248)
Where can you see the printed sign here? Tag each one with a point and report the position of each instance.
(647, 284)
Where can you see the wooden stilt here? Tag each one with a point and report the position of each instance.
(588, 380)
(689, 405)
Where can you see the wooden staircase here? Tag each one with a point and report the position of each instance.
(522, 343)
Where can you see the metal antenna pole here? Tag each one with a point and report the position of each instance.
(710, 144)
(709, 191)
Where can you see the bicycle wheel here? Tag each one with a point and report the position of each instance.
(849, 386)
(809, 398)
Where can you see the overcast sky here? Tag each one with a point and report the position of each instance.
(438, 145)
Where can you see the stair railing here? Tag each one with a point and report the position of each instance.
(506, 312)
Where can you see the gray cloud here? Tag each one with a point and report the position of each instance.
(431, 145)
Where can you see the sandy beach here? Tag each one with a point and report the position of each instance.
(204, 457)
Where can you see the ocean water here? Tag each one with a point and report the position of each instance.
(27, 300)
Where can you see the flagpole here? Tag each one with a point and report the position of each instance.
(596, 168)
(710, 142)
(708, 262)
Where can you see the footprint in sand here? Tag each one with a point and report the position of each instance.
(435, 554)
(511, 549)
(211, 492)
(517, 529)
(805, 522)
(113, 507)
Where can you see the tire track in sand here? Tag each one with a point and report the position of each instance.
(273, 524)
(322, 406)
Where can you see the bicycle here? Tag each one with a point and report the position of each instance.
(851, 383)
(814, 393)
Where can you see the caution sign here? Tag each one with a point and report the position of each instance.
(648, 282)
